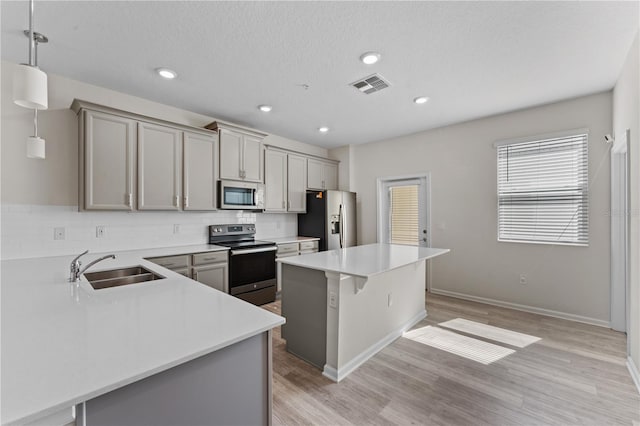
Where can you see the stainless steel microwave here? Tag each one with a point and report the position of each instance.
(235, 195)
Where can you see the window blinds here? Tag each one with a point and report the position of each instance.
(404, 214)
(543, 191)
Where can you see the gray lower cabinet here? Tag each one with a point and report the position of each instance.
(293, 249)
(231, 386)
(213, 275)
(209, 268)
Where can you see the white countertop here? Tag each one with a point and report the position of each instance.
(63, 344)
(294, 239)
(364, 261)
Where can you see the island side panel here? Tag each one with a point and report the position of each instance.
(227, 387)
(304, 305)
(367, 321)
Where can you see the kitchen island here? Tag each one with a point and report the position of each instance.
(343, 306)
(168, 351)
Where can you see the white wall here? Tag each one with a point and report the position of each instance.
(570, 281)
(626, 115)
(37, 195)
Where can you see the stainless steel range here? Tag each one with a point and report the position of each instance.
(252, 263)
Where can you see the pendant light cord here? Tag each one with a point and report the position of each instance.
(32, 40)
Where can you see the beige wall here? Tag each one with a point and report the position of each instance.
(626, 115)
(462, 163)
(54, 181)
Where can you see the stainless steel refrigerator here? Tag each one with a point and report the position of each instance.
(330, 216)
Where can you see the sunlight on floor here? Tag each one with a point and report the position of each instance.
(501, 335)
(467, 347)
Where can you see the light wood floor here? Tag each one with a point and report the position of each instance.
(575, 375)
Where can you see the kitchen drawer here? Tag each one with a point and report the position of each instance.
(171, 262)
(287, 254)
(308, 245)
(287, 248)
(211, 257)
(183, 271)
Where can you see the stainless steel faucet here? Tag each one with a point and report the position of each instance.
(75, 270)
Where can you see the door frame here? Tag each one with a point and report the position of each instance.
(619, 314)
(382, 208)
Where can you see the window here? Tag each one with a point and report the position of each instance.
(404, 214)
(543, 190)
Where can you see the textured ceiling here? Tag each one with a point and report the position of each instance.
(473, 59)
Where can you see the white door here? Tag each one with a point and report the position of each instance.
(252, 158)
(404, 212)
(199, 172)
(403, 216)
(230, 154)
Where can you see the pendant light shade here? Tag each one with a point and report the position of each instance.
(30, 87)
(35, 147)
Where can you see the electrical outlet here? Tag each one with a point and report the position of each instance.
(100, 231)
(58, 233)
(333, 300)
(523, 279)
(176, 229)
(389, 300)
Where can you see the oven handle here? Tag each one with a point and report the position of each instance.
(251, 251)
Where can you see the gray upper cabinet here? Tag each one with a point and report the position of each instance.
(159, 167)
(129, 161)
(322, 174)
(107, 161)
(230, 155)
(285, 178)
(275, 181)
(200, 171)
(296, 183)
(241, 153)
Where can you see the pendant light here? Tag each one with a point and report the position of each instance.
(30, 87)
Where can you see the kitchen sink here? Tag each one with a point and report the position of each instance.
(122, 276)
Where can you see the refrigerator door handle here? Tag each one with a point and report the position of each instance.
(342, 224)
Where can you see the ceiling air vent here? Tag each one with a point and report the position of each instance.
(371, 84)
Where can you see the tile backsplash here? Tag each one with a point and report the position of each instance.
(28, 230)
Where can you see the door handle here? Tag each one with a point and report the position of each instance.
(341, 224)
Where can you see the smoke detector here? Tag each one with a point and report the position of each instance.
(373, 83)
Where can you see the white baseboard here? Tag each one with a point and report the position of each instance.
(340, 373)
(633, 370)
(524, 308)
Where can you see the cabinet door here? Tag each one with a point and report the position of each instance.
(109, 161)
(215, 276)
(199, 177)
(230, 154)
(330, 176)
(297, 183)
(275, 181)
(159, 167)
(314, 174)
(252, 158)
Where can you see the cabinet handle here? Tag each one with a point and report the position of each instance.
(186, 201)
(166, 264)
(283, 204)
(195, 275)
(288, 205)
(176, 201)
(128, 198)
(323, 186)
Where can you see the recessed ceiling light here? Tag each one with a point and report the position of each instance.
(265, 108)
(370, 58)
(323, 129)
(167, 73)
(421, 100)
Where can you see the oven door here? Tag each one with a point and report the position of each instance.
(252, 269)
